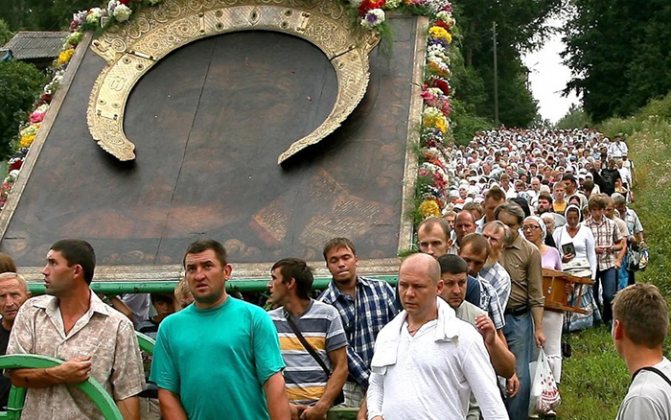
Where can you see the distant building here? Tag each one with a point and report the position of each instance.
(38, 48)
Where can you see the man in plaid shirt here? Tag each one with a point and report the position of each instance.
(365, 306)
(607, 242)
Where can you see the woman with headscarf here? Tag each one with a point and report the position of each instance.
(534, 231)
(575, 243)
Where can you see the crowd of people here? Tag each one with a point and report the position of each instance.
(453, 340)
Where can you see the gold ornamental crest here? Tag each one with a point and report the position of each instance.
(132, 49)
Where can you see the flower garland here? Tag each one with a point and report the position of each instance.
(432, 176)
(371, 14)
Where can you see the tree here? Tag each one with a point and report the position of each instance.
(20, 85)
(520, 27)
(41, 15)
(575, 117)
(619, 52)
(5, 33)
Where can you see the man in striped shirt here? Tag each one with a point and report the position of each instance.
(310, 389)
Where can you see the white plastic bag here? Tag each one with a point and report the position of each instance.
(544, 392)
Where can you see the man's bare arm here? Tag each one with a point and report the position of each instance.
(171, 405)
(74, 371)
(278, 403)
(130, 408)
(503, 360)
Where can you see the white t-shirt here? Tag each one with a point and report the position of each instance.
(649, 396)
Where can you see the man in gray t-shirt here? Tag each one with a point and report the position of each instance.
(641, 322)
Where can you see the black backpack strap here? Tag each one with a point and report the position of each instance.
(305, 344)
(655, 370)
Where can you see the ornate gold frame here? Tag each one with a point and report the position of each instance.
(132, 49)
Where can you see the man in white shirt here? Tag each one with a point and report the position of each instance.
(427, 361)
(641, 322)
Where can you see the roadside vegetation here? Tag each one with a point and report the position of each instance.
(595, 380)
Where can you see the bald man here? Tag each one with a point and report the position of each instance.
(426, 345)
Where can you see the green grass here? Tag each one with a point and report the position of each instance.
(595, 379)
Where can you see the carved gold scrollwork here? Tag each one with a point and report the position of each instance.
(131, 50)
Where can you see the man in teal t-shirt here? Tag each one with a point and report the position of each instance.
(220, 357)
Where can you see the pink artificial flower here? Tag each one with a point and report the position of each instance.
(37, 117)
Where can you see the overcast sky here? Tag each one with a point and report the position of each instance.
(548, 78)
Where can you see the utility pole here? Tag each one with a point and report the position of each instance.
(496, 78)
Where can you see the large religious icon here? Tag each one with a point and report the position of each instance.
(193, 105)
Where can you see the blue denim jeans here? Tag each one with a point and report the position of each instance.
(519, 333)
(608, 280)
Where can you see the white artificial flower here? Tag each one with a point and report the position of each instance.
(12, 176)
(373, 18)
(444, 16)
(111, 5)
(392, 4)
(122, 13)
(94, 15)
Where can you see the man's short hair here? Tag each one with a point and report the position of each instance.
(545, 196)
(510, 208)
(166, 298)
(524, 205)
(588, 185)
(432, 221)
(644, 314)
(8, 275)
(452, 264)
(297, 269)
(203, 245)
(476, 243)
(77, 251)
(337, 243)
(569, 177)
(618, 199)
(472, 205)
(7, 264)
(597, 202)
(495, 194)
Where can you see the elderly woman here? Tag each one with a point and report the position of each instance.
(553, 321)
(575, 243)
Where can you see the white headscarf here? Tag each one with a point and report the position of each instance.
(541, 223)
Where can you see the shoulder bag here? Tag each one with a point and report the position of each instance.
(341, 397)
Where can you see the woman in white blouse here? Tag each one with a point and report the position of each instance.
(580, 261)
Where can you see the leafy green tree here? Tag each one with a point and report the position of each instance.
(5, 33)
(575, 117)
(619, 52)
(42, 15)
(520, 27)
(20, 85)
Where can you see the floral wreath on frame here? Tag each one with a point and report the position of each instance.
(432, 184)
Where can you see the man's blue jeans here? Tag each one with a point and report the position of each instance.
(608, 280)
(519, 333)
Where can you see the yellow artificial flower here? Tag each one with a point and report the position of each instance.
(65, 56)
(429, 208)
(435, 121)
(437, 32)
(26, 141)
